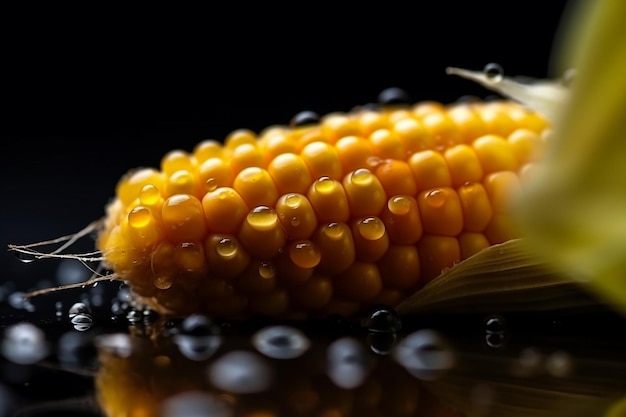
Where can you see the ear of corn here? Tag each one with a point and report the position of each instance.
(329, 217)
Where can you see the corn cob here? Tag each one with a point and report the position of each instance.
(329, 215)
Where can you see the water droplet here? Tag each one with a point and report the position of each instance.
(149, 195)
(267, 270)
(495, 340)
(24, 343)
(383, 320)
(262, 218)
(305, 254)
(82, 322)
(324, 185)
(371, 228)
(293, 201)
(139, 217)
(493, 72)
(347, 364)
(495, 324)
(304, 118)
(58, 310)
(17, 300)
(436, 198)
(133, 316)
(195, 404)
(361, 176)
(281, 342)
(197, 348)
(210, 184)
(78, 308)
(226, 248)
(399, 205)
(25, 257)
(425, 354)
(334, 230)
(295, 221)
(119, 344)
(241, 372)
(162, 282)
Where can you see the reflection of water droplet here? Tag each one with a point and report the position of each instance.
(199, 325)
(197, 348)
(425, 354)
(133, 316)
(82, 322)
(78, 308)
(381, 343)
(241, 372)
(58, 310)
(195, 404)
(528, 363)
(24, 344)
(495, 340)
(281, 342)
(383, 319)
(559, 364)
(347, 363)
(119, 344)
(25, 257)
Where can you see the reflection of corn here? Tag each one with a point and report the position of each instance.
(327, 217)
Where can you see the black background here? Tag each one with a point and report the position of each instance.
(88, 94)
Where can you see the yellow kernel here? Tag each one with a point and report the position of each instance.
(239, 137)
(208, 149)
(370, 238)
(360, 282)
(402, 220)
(314, 293)
(329, 200)
(322, 160)
(354, 152)
(527, 145)
(224, 210)
(386, 144)
(290, 174)
(275, 143)
(261, 233)
(189, 256)
(214, 173)
(463, 164)
(371, 121)
(472, 243)
(501, 228)
(430, 170)
(304, 253)
(477, 210)
(442, 128)
(289, 273)
(225, 256)
(176, 160)
(336, 246)
(129, 186)
(366, 195)
(246, 155)
(296, 216)
(183, 218)
(530, 120)
(400, 267)
(338, 125)
(256, 187)
(495, 153)
(441, 211)
(181, 182)
(503, 188)
(497, 119)
(413, 135)
(143, 229)
(424, 108)
(273, 303)
(396, 177)
(436, 254)
(470, 124)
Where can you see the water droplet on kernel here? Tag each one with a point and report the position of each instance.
(371, 228)
(226, 248)
(293, 201)
(162, 282)
(399, 205)
(361, 176)
(295, 221)
(262, 218)
(324, 185)
(373, 161)
(334, 230)
(210, 184)
(25, 257)
(149, 195)
(305, 254)
(435, 198)
(139, 217)
(267, 270)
